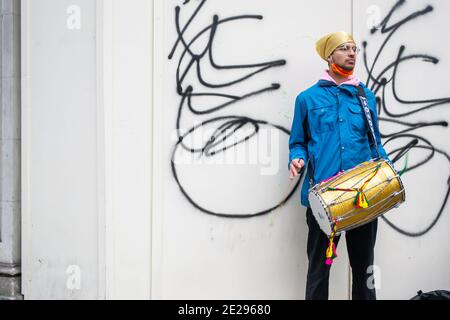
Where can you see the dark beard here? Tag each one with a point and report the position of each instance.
(347, 68)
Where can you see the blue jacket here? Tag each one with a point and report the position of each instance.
(329, 129)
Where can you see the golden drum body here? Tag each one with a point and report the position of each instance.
(356, 196)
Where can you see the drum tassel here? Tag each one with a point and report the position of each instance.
(331, 250)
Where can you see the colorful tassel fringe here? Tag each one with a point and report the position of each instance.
(331, 253)
(361, 200)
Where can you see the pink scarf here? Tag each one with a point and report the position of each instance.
(351, 80)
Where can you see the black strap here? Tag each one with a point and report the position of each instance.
(310, 172)
(366, 111)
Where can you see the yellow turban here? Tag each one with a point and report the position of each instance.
(327, 44)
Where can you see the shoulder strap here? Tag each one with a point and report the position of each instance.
(367, 116)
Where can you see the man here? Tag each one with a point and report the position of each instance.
(329, 130)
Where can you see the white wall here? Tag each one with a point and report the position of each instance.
(201, 252)
(128, 93)
(60, 193)
(86, 102)
(100, 110)
(264, 256)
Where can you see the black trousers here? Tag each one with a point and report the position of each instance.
(360, 248)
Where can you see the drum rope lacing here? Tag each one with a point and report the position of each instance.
(360, 198)
(335, 200)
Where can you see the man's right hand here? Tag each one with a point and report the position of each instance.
(295, 167)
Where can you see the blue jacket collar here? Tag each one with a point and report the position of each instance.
(352, 90)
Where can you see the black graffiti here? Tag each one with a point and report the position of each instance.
(191, 60)
(380, 83)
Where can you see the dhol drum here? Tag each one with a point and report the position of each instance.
(355, 197)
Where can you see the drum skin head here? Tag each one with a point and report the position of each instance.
(319, 212)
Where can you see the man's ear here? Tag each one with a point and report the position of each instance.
(330, 60)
